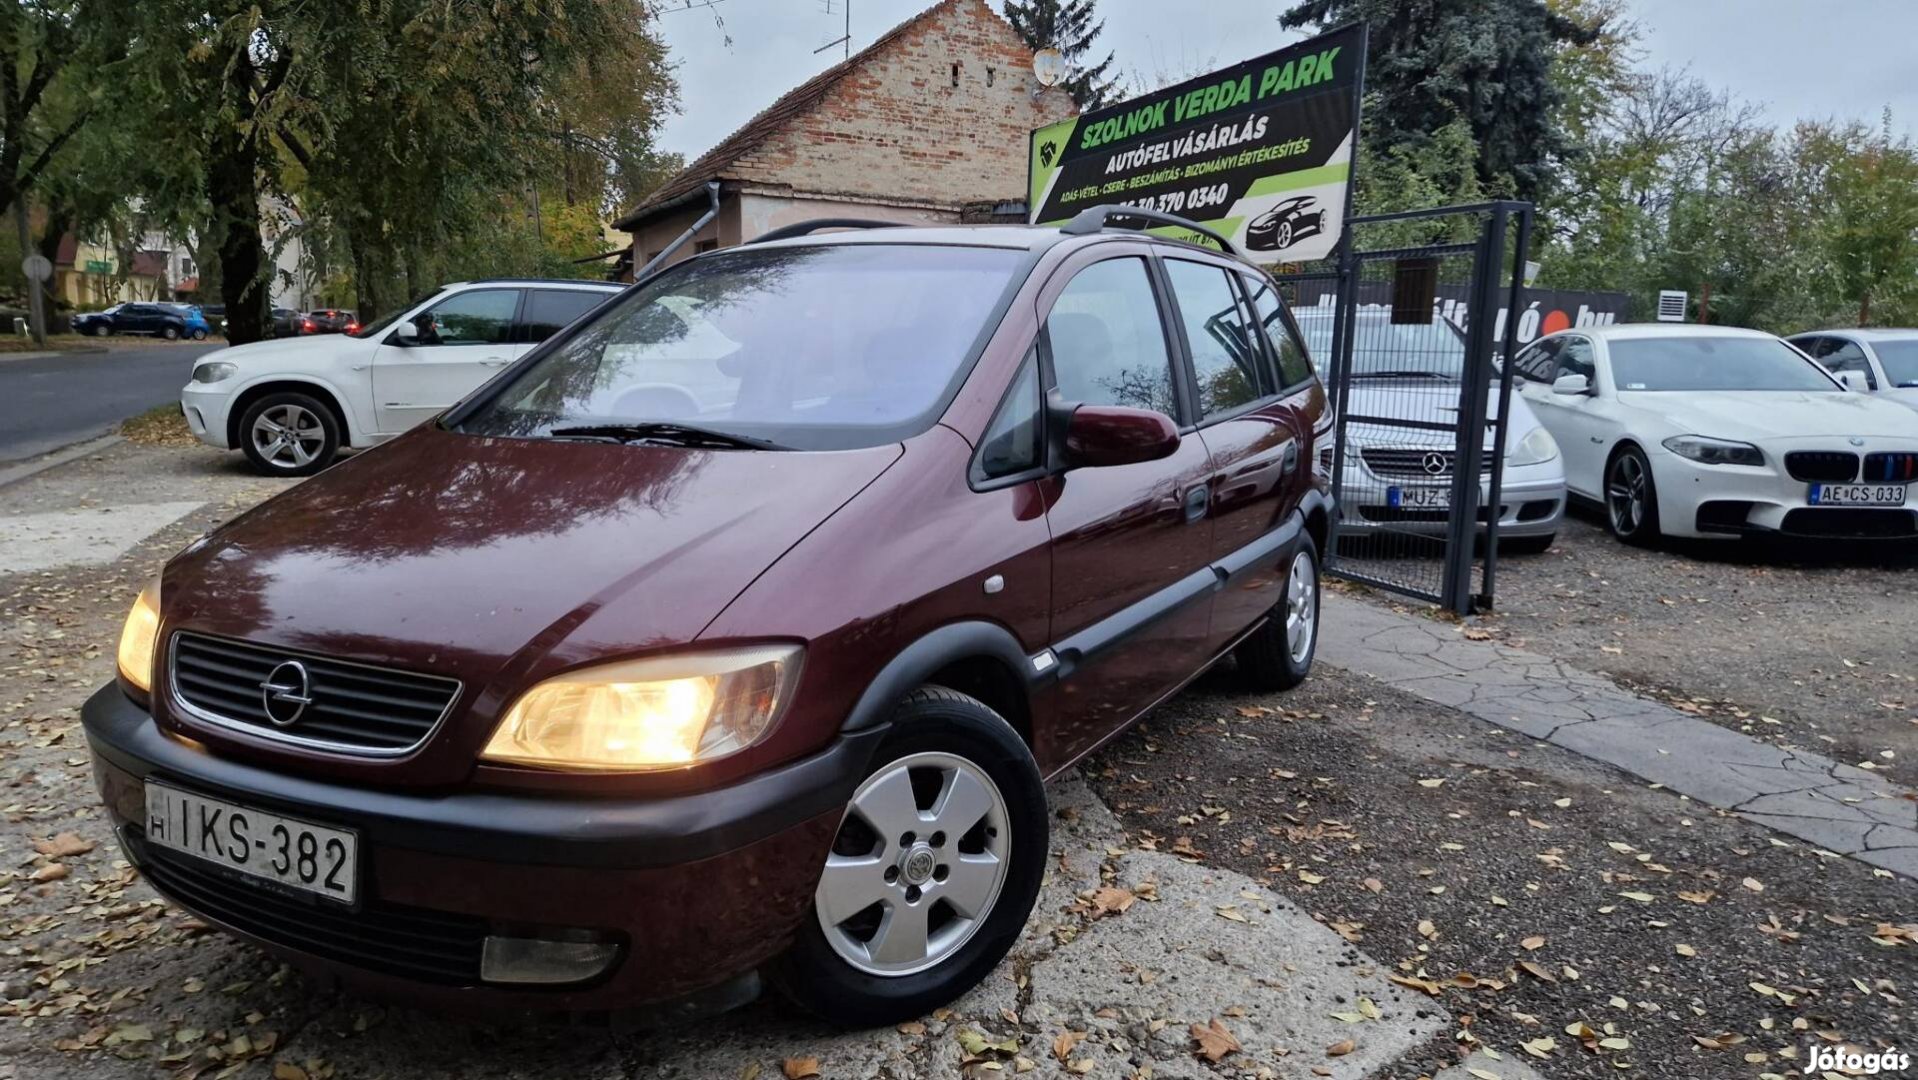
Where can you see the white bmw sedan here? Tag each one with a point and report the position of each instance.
(1704, 431)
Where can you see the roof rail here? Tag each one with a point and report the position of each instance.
(803, 228)
(1094, 219)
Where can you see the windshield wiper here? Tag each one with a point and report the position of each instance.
(664, 434)
(1403, 375)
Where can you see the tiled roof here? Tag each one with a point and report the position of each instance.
(713, 163)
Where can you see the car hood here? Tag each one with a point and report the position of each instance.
(1906, 396)
(497, 561)
(274, 352)
(1776, 414)
(1426, 400)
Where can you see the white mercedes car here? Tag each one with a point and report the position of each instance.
(1403, 401)
(291, 404)
(1707, 431)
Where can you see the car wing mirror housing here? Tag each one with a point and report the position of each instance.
(1097, 436)
(1854, 381)
(1571, 385)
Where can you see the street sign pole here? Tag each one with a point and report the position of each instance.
(34, 266)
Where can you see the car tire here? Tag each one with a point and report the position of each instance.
(312, 434)
(1278, 655)
(102, 330)
(951, 755)
(199, 335)
(1631, 498)
(1284, 238)
(171, 333)
(1527, 545)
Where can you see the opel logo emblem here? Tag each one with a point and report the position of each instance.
(286, 692)
(1435, 463)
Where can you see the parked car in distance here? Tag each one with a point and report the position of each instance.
(285, 322)
(1708, 431)
(329, 321)
(197, 327)
(735, 630)
(1400, 478)
(1873, 360)
(142, 317)
(291, 405)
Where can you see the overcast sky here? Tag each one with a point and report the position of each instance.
(1797, 58)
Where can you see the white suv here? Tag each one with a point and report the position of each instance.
(292, 403)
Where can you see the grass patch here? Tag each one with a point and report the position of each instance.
(16, 343)
(162, 425)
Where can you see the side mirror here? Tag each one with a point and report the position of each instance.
(1572, 385)
(1854, 381)
(1102, 435)
(406, 332)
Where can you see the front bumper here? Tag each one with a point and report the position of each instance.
(1531, 503)
(206, 408)
(697, 890)
(1697, 500)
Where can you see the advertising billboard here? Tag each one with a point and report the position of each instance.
(1261, 151)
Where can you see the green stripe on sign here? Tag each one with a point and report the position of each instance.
(1227, 227)
(1039, 172)
(1304, 178)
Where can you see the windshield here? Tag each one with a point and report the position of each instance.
(816, 348)
(1384, 349)
(391, 317)
(1900, 359)
(1714, 363)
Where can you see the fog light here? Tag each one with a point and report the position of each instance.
(537, 960)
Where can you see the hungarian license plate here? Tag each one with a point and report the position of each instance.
(296, 854)
(1418, 498)
(1857, 495)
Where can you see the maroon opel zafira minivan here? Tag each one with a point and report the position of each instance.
(731, 634)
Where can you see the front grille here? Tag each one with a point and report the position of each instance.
(1392, 461)
(413, 943)
(1829, 466)
(1400, 513)
(1850, 522)
(354, 707)
(1891, 468)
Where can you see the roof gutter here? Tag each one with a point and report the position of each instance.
(632, 221)
(712, 211)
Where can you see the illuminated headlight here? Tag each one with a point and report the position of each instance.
(214, 372)
(1709, 451)
(656, 713)
(138, 637)
(1536, 448)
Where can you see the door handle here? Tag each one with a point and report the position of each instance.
(495, 361)
(1196, 500)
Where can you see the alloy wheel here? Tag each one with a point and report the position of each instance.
(288, 436)
(1301, 606)
(1625, 495)
(1285, 235)
(917, 865)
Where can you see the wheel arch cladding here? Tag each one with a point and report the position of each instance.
(254, 393)
(980, 659)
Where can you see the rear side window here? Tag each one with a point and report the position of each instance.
(549, 309)
(1295, 367)
(1108, 344)
(1227, 362)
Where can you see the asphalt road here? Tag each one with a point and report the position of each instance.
(49, 402)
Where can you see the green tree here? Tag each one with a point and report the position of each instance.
(1488, 62)
(1070, 27)
(1869, 229)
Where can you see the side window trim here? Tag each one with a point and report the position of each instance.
(1272, 347)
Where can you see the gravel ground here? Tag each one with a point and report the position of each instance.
(1529, 889)
(1807, 645)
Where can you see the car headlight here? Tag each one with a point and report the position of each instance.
(1536, 448)
(1709, 451)
(655, 713)
(139, 636)
(214, 372)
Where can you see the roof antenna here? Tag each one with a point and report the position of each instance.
(844, 40)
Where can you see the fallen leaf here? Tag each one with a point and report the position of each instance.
(1641, 897)
(1482, 1074)
(1537, 972)
(1341, 1048)
(1112, 901)
(1532, 944)
(286, 1070)
(1064, 1042)
(1754, 884)
(1373, 885)
(1432, 783)
(62, 846)
(1685, 950)
(912, 1027)
(1215, 1041)
(799, 1068)
(1540, 1047)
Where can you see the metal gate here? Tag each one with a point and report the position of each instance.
(1405, 326)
